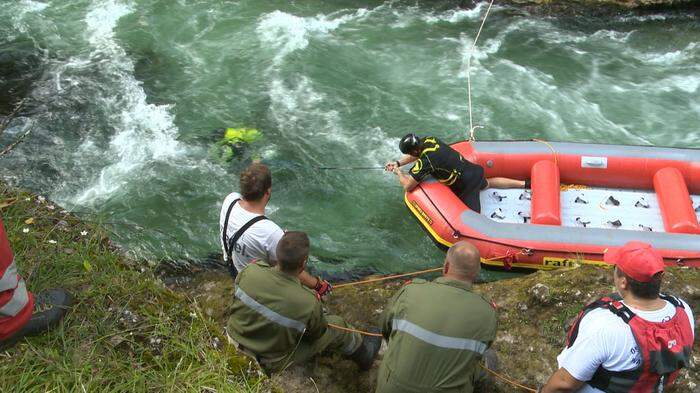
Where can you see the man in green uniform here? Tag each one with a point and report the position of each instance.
(437, 331)
(436, 158)
(280, 322)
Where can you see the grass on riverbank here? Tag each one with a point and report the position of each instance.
(126, 331)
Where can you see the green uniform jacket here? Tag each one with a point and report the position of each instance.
(271, 311)
(436, 332)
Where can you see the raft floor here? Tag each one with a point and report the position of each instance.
(637, 210)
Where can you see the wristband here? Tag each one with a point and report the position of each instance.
(398, 163)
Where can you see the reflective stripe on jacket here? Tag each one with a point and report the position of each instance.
(436, 332)
(16, 303)
(272, 311)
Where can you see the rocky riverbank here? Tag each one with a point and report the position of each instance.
(533, 312)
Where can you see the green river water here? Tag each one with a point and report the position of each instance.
(125, 97)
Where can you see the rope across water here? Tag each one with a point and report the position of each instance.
(472, 128)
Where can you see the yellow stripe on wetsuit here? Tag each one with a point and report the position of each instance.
(451, 179)
(430, 149)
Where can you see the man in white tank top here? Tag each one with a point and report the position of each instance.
(245, 233)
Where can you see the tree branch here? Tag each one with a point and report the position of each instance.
(16, 142)
(7, 119)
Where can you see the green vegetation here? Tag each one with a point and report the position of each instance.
(126, 332)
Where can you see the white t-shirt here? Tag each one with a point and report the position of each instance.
(605, 339)
(259, 241)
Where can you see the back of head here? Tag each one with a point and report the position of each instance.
(641, 265)
(292, 251)
(464, 261)
(255, 180)
(409, 144)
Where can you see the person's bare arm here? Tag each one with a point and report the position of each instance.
(404, 160)
(407, 181)
(307, 279)
(561, 382)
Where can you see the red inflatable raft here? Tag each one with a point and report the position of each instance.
(585, 199)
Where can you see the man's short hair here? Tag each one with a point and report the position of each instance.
(255, 181)
(643, 290)
(292, 251)
(464, 260)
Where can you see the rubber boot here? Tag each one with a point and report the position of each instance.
(485, 382)
(50, 307)
(364, 355)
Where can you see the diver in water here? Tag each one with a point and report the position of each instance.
(436, 158)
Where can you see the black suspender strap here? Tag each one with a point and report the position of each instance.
(228, 245)
(223, 233)
(232, 241)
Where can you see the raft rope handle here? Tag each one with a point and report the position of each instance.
(549, 145)
(472, 128)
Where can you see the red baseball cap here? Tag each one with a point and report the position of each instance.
(636, 259)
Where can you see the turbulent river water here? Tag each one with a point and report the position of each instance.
(125, 97)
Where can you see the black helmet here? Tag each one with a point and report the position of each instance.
(409, 144)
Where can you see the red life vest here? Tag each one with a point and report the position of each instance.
(16, 303)
(664, 346)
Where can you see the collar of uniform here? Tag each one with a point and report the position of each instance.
(467, 286)
(285, 276)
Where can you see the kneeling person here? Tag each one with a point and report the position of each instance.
(438, 331)
(281, 322)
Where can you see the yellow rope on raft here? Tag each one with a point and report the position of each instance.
(549, 145)
(567, 187)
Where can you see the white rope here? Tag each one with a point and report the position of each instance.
(473, 128)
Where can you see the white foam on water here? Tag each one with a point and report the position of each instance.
(686, 83)
(25, 9)
(297, 106)
(612, 35)
(456, 16)
(643, 18)
(408, 16)
(687, 54)
(289, 33)
(145, 133)
(33, 6)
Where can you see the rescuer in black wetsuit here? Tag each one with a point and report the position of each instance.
(436, 158)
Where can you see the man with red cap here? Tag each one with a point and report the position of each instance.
(634, 342)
